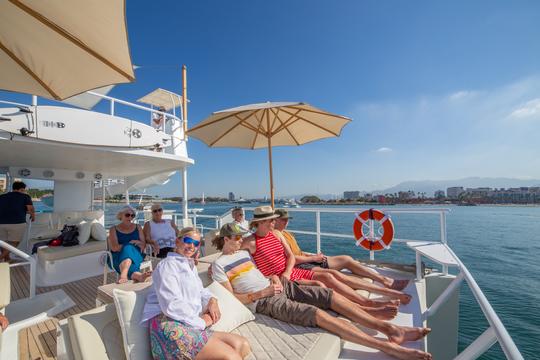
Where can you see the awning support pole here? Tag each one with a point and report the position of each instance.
(184, 195)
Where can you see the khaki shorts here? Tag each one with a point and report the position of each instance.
(12, 233)
(296, 304)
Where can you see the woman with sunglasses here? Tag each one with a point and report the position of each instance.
(179, 310)
(159, 233)
(126, 241)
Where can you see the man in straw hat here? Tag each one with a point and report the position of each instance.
(332, 265)
(303, 305)
(274, 257)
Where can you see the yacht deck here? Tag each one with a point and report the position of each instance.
(39, 341)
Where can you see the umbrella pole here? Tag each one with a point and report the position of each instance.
(271, 175)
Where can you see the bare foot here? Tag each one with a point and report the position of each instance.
(397, 284)
(122, 280)
(403, 353)
(405, 298)
(379, 303)
(400, 334)
(383, 313)
(138, 277)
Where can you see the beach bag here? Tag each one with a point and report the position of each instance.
(69, 235)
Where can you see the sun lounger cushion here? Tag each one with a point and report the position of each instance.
(96, 335)
(129, 308)
(271, 339)
(98, 231)
(5, 285)
(53, 253)
(210, 258)
(233, 312)
(85, 228)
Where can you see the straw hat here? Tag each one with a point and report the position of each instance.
(263, 213)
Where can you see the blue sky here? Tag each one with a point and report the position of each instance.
(436, 90)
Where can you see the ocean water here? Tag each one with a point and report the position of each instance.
(499, 245)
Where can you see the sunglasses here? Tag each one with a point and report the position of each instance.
(188, 240)
(157, 210)
(236, 237)
(129, 215)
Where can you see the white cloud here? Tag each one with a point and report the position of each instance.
(384, 150)
(528, 110)
(461, 95)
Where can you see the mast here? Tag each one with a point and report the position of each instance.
(184, 123)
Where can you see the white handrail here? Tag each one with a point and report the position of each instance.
(484, 341)
(505, 340)
(30, 260)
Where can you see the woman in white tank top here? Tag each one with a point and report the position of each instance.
(161, 234)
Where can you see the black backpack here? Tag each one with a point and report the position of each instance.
(69, 235)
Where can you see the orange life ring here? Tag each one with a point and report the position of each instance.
(376, 243)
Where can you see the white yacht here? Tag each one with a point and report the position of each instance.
(63, 302)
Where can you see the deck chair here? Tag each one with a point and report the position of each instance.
(25, 312)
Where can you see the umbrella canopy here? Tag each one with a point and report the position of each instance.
(266, 125)
(57, 49)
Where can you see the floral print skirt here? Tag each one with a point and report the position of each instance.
(171, 339)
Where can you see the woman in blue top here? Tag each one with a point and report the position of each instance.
(126, 241)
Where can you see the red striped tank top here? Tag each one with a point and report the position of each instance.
(271, 259)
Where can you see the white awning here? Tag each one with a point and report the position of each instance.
(162, 98)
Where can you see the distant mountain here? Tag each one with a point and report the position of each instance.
(430, 186)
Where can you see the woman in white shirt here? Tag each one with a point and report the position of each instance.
(159, 233)
(180, 311)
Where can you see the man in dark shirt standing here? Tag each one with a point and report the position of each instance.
(13, 209)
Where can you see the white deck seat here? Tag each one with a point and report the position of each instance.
(96, 334)
(53, 253)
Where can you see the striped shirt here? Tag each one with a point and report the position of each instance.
(271, 258)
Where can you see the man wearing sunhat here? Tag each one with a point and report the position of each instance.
(302, 305)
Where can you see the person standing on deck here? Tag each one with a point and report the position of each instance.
(14, 206)
(333, 265)
(274, 257)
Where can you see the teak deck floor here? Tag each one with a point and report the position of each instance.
(39, 341)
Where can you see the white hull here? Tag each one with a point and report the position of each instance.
(81, 127)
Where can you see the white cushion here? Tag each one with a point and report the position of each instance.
(233, 312)
(84, 227)
(98, 231)
(129, 308)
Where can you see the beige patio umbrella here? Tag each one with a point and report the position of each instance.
(57, 49)
(266, 125)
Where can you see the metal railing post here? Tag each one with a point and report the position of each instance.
(418, 266)
(112, 107)
(443, 237)
(318, 225)
(478, 346)
(443, 297)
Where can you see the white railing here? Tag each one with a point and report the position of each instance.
(495, 333)
(29, 260)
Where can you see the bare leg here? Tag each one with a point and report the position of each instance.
(349, 332)
(124, 269)
(346, 262)
(359, 284)
(396, 334)
(330, 281)
(217, 349)
(237, 342)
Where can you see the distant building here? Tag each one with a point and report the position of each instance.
(454, 192)
(381, 199)
(231, 196)
(439, 194)
(351, 195)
